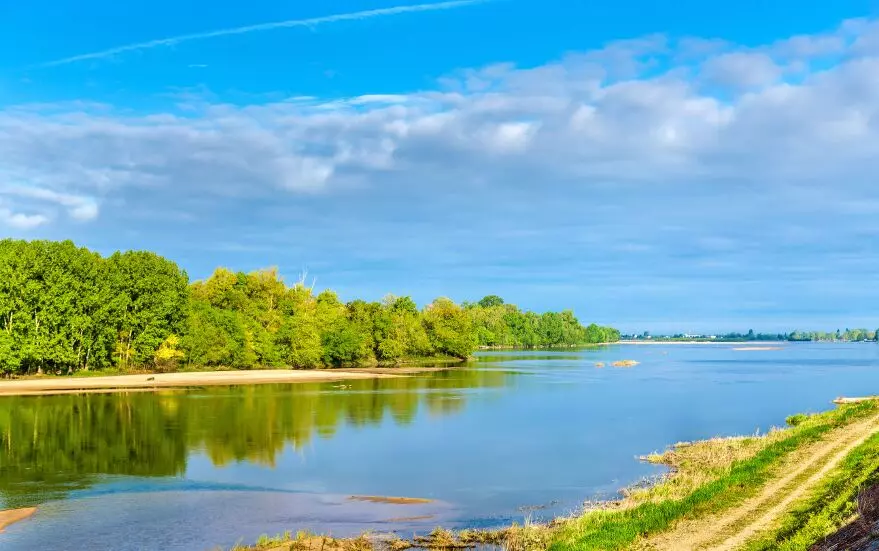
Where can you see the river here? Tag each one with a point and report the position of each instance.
(513, 435)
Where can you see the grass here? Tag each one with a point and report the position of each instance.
(659, 507)
(794, 420)
(307, 541)
(830, 506)
(527, 537)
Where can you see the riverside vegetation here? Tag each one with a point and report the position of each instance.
(65, 309)
(785, 490)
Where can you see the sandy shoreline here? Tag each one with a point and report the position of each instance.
(68, 385)
(11, 516)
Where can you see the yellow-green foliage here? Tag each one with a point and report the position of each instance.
(168, 353)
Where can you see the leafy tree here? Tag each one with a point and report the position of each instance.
(150, 298)
(449, 329)
(491, 301)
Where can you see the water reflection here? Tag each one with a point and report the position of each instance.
(52, 445)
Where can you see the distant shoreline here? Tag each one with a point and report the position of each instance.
(158, 381)
(735, 343)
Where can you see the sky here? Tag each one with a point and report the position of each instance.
(677, 166)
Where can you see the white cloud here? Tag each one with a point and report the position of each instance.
(741, 70)
(633, 112)
(77, 207)
(20, 220)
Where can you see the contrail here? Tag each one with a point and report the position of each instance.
(367, 14)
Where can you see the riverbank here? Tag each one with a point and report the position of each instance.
(11, 516)
(786, 489)
(149, 382)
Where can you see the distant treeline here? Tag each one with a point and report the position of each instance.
(849, 335)
(65, 308)
(497, 324)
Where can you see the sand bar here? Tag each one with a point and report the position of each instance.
(10, 516)
(146, 382)
(391, 499)
(854, 399)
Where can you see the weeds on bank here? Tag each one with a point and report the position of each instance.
(655, 513)
(529, 537)
(694, 464)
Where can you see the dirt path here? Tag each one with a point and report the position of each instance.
(802, 471)
(67, 385)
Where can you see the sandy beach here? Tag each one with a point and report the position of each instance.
(11, 516)
(68, 385)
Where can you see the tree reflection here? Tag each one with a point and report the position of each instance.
(52, 445)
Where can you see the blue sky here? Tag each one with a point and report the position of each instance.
(669, 166)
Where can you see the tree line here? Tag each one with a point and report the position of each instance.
(849, 335)
(64, 308)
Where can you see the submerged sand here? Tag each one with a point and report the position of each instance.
(391, 500)
(146, 382)
(11, 516)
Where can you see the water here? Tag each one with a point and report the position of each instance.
(515, 434)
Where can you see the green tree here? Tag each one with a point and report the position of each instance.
(449, 329)
(491, 301)
(150, 298)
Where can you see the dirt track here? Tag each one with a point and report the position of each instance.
(800, 473)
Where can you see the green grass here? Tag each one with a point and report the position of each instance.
(619, 529)
(830, 506)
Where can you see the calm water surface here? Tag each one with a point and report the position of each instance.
(515, 434)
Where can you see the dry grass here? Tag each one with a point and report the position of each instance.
(529, 537)
(306, 541)
(696, 463)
